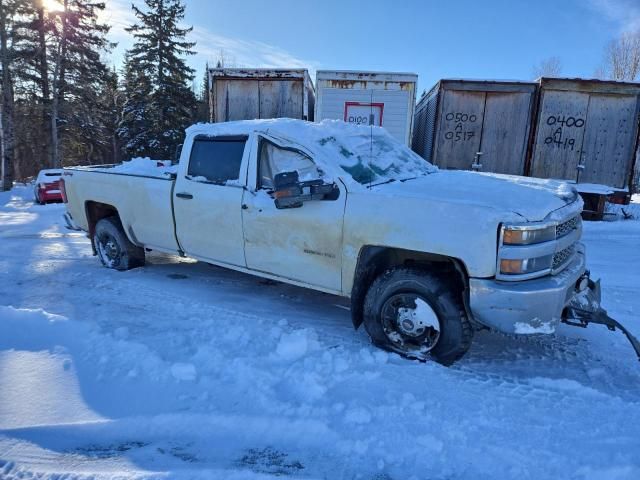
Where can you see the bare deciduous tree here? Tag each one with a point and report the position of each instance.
(549, 67)
(622, 58)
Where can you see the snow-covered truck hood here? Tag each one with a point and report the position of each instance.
(533, 199)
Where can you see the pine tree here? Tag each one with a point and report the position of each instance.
(78, 69)
(203, 97)
(158, 54)
(111, 99)
(33, 29)
(138, 114)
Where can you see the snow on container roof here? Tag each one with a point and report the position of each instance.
(273, 73)
(589, 85)
(367, 154)
(484, 85)
(362, 75)
(488, 80)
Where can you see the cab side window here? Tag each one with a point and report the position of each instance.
(275, 159)
(216, 160)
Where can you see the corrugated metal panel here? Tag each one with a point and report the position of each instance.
(424, 125)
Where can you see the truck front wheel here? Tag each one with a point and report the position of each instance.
(418, 315)
(114, 248)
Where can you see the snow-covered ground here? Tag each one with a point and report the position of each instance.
(185, 370)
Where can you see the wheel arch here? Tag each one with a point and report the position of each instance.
(375, 260)
(96, 211)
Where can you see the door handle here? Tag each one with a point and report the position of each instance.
(245, 206)
(184, 195)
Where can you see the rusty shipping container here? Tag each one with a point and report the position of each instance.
(482, 125)
(247, 94)
(384, 99)
(587, 132)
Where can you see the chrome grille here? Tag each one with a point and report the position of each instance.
(567, 227)
(562, 257)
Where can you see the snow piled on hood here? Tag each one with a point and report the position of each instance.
(367, 154)
(560, 188)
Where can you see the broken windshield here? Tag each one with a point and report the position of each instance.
(375, 157)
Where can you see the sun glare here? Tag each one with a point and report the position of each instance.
(52, 5)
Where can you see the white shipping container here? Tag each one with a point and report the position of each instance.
(380, 98)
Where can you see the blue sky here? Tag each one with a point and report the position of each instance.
(435, 39)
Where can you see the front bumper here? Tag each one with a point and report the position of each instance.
(531, 306)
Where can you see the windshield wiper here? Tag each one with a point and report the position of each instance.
(413, 178)
(381, 183)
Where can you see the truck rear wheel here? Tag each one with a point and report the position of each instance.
(418, 315)
(114, 248)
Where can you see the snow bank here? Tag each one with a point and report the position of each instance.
(295, 345)
(127, 375)
(624, 212)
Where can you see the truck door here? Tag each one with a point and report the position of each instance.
(207, 200)
(303, 244)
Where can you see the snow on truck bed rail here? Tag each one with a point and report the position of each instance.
(138, 166)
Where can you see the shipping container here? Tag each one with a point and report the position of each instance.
(247, 94)
(482, 125)
(586, 131)
(372, 98)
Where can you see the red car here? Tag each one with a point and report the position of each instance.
(47, 187)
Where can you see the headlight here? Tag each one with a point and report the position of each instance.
(525, 265)
(527, 235)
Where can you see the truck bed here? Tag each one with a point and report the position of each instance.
(140, 190)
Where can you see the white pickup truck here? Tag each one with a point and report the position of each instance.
(425, 256)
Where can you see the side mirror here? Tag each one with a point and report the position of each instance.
(290, 192)
(287, 190)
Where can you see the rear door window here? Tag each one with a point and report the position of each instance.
(216, 160)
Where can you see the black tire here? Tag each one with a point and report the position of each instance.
(38, 201)
(396, 288)
(114, 248)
